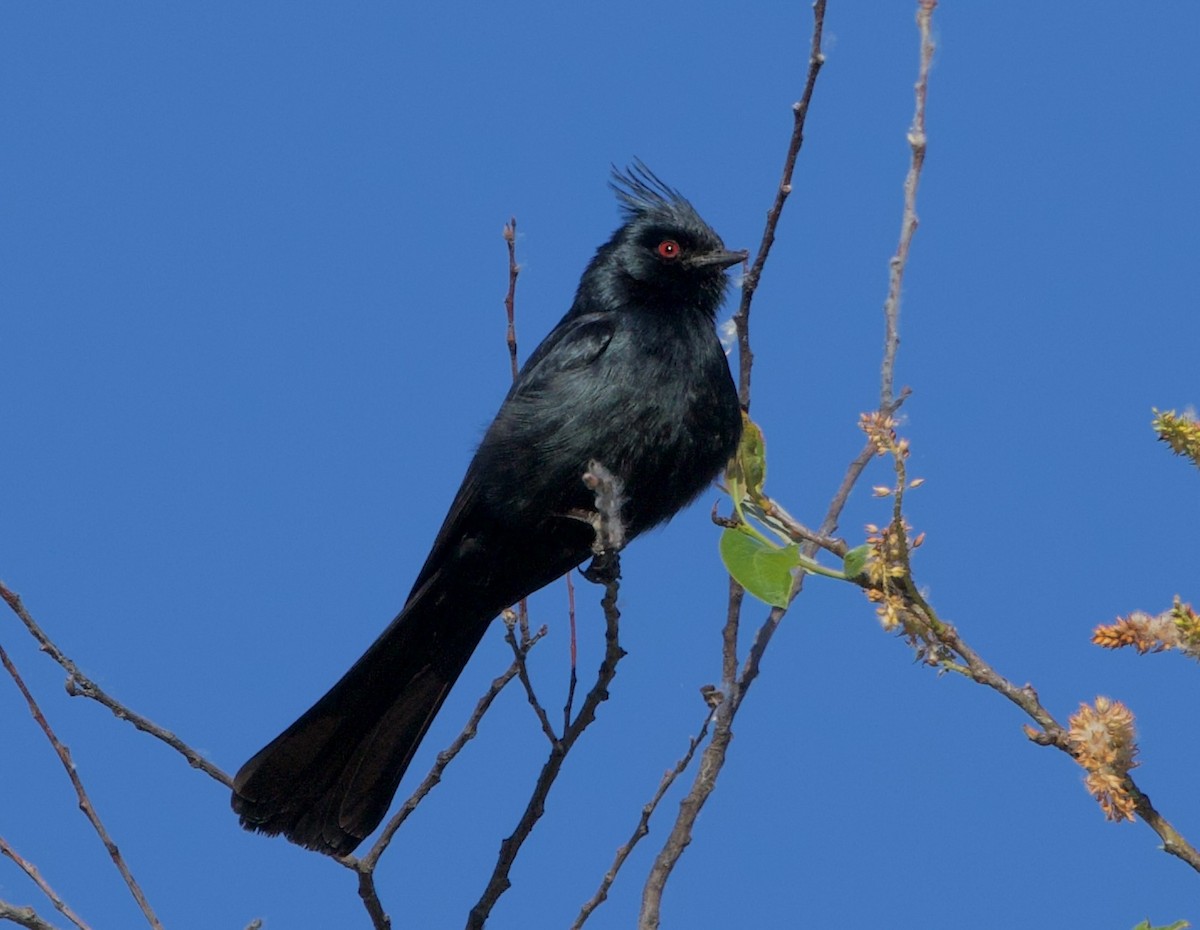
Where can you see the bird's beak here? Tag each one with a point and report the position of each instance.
(722, 258)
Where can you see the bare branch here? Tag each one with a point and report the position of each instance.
(523, 674)
(446, 756)
(713, 758)
(24, 916)
(31, 870)
(816, 58)
(368, 893)
(908, 223)
(511, 846)
(365, 867)
(714, 755)
(510, 311)
(510, 237)
(1052, 733)
(890, 584)
(1173, 842)
(573, 680)
(605, 569)
(643, 824)
(680, 836)
(85, 803)
(79, 685)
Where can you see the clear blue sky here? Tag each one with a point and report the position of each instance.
(253, 326)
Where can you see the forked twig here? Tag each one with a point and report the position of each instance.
(85, 802)
(365, 867)
(36, 877)
(643, 824)
(609, 530)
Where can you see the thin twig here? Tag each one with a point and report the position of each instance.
(711, 761)
(530, 694)
(510, 237)
(921, 620)
(713, 757)
(511, 846)
(510, 311)
(643, 824)
(1173, 842)
(762, 637)
(854, 471)
(79, 685)
(908, 222)
(729, 637)
(32, 871)
(24, 916)
(446, 756)
(85, 803)
(573, 681)
(1025, 697)
(606, 569)
(365, 867)
(816, 59)
(856, 467)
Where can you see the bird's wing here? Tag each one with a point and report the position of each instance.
(573, 346)
(576, 342)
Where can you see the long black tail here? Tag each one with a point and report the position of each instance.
(327, 781)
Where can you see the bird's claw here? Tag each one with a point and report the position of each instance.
(604, 569)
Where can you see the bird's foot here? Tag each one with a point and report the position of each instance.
(605, 567)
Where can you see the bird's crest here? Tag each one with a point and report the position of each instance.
(642, 193)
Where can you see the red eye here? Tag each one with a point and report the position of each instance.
(668, 248)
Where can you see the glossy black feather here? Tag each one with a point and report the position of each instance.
(634, 377)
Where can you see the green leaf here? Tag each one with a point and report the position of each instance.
(762, 569)
(1178, 925)
(747, 470)
(856, 560)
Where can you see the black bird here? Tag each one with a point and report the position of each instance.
(632, 377)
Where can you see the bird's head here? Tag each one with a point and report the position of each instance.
(664, 255)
